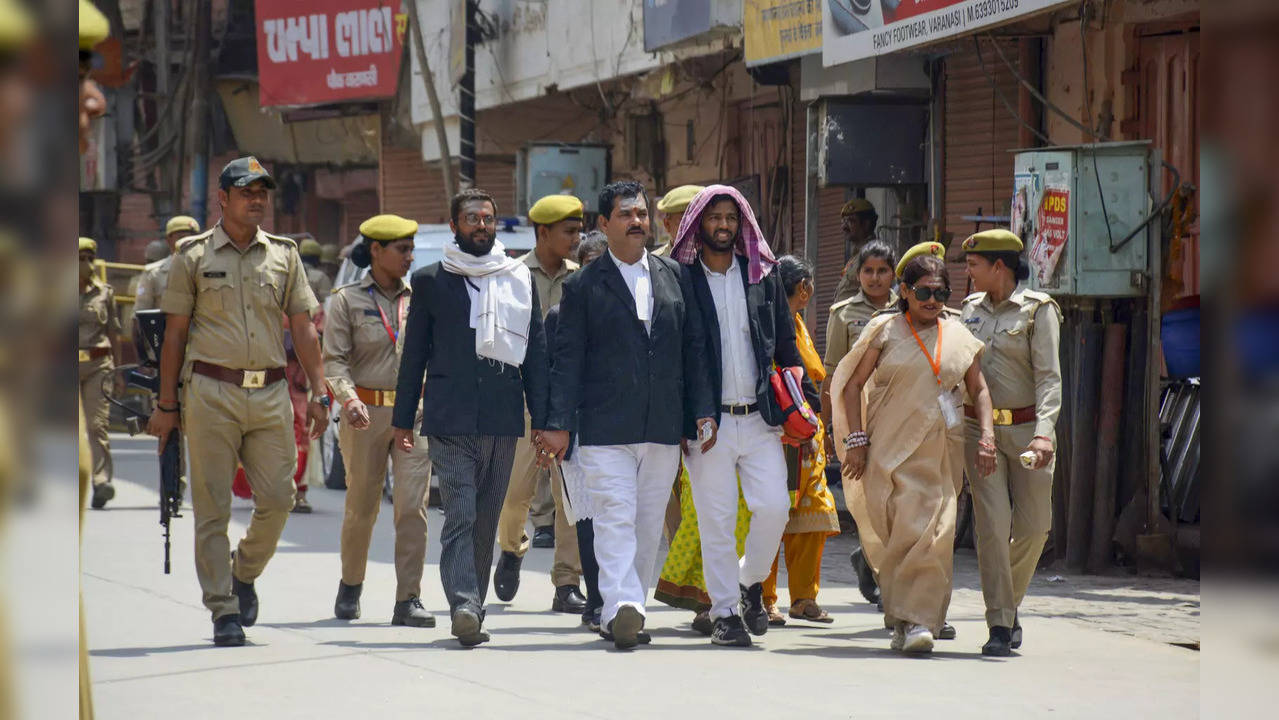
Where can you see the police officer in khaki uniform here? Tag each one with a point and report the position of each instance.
(857, 221)
(672, 207)
(99, 335)
(1012, 507)
(557, 220)
(311, 253)
(227, 289)
(155, 277)
(362, 359)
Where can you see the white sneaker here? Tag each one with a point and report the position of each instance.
(899, 637)
(919, 639)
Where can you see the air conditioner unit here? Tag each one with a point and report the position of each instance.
(561, 169)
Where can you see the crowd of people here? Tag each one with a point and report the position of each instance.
(657, 390)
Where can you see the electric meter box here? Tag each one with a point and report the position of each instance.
(560, 169)
(1057, 211)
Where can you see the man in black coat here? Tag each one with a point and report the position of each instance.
(629, 369)
(474, 330)
(748, 330)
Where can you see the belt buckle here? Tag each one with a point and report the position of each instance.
(253, 379)
(1003, 416)
(84, 356)
(388, 398)
(737, 410)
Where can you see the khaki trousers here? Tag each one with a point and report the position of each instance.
(97, 414)
(511, 535)
(225, 423)
(365, 453)
(1012, 514)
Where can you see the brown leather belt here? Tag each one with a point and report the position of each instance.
(91, 354)
(243, 378)
(1004, 416)
(376, 398)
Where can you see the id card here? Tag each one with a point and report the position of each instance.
(949, 412)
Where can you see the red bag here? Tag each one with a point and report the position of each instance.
(800, 422)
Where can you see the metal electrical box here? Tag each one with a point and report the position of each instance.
(1074, 247)
(558, 168)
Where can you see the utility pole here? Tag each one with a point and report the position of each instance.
(164, 199)
(441, 135)
(467, 104)
(199, 128)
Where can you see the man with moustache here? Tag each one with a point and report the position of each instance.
(628, 376)
(748, 331)
(475, 331)
(857, 221)
(223, 338)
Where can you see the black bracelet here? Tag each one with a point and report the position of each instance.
(173, 409)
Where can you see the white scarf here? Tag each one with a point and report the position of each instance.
(503, 310)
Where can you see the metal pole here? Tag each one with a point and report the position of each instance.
(199, 177)
(164, 200)
(467, 104)
(441, 135)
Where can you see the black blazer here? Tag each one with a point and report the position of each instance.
(772, 338)
(465, 394)
(613, 382)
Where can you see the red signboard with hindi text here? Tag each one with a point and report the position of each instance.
(313, 52)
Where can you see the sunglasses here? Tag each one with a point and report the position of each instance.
(923, 293)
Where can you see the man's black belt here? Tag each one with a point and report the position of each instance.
(739, 409)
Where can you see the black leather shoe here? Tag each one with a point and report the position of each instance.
(702, 623)
(730, 632)
(1016, 633)
(101, 494)
(227, 631)
(347, 606)
(544, 537)
(466, 627)
(248, 601)
(410, 612)
(506, 578)
(568, 599)
(865, 577)
(999, 644)
(753, 612)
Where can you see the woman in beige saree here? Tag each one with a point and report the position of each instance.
(903, 376)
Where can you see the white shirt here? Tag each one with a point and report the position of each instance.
(737, 355)
(640, 283)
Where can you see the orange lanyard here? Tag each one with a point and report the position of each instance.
(934, 364)
(394, 334)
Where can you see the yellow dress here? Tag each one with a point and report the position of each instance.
(682, 583)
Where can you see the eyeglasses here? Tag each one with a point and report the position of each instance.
(923, 293)
(475, 219)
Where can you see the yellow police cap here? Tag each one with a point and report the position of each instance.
(329, 253)
(178, 223)
(88, 244)
(997, 240)
(935, 249)
(856, 205)
(677, 199)
(94, 27)
(309, 247)
(387, 227)
(554, 208)
(16, 26)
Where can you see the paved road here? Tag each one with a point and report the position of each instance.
(152, 658)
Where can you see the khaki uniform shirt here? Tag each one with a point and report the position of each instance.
(357, 349)
(549, 289)
(99, 321)
(151, 284)
(234, 298)
(1021, 362)
(320, 283)
(847, 319)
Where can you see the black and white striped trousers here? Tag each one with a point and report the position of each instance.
(474, 471)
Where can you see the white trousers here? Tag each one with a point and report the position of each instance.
(628, 486)
(750, 450)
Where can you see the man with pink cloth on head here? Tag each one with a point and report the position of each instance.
(748, 330)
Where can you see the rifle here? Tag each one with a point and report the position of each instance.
(148, 336)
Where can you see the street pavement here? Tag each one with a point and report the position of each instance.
(152, 657)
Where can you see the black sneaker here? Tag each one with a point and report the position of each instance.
(410, 612)
(101, 494)
(702, 623)
(544, 537)
(625, 627)
(753, 612)
(591, 619)
(227, 631)
(347, 605)
(730, 631)
(506, 578)
(999, 644)
(248, 601)
(642, 637)
(947, 632)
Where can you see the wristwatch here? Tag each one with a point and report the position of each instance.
(323, 399)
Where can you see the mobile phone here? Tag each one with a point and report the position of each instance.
(704, 432)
